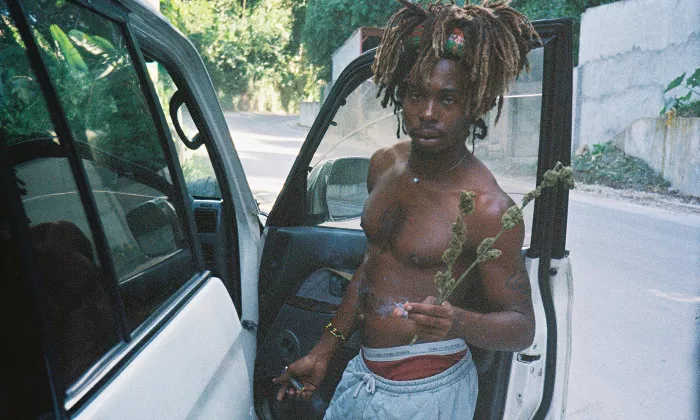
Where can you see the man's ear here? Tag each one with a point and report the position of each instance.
(480, 129)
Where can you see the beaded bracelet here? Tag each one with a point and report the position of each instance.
(335, 333)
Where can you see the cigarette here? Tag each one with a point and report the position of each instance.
(296, 384)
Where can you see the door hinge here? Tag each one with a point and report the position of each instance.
(249, 325)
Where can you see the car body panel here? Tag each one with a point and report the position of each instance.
(193, 354)
(157, 36)
(190, 369)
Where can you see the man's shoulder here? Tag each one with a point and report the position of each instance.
(491, 201)
(386, 158)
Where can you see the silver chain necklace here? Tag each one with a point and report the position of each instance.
(417, 179)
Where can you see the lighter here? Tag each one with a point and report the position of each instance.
(296, 384)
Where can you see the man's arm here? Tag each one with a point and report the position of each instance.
(311, 369)
(511, 327)
(345, 320)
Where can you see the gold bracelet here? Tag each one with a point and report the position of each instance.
(335, 333)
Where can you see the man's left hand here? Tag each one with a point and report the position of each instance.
(433, 322)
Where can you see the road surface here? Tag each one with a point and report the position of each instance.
(636, 320)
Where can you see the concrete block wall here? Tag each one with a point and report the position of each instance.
(629, 52)
(673, 151)
(350, 50)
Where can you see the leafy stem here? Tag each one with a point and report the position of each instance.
(446, 284)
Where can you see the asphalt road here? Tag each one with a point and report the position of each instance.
(636, 320)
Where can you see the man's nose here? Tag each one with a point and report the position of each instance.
(428, 113)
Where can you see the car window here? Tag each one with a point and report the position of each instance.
(337, 183)
(196, 163)
(337, 187)
(115, 134)
(81, 327)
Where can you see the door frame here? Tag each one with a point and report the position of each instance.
(551, 209)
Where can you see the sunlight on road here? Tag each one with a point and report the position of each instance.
(674, 296)
(267, 145)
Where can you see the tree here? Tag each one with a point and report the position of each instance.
(549, 9)
(328, 23)
(247, 50)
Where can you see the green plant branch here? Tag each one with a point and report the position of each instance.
(559, 176)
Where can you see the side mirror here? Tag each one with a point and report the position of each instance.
(155, 227)
(337, 189)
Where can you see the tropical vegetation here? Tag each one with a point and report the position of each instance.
(272, 54)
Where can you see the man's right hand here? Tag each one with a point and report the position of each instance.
(309, 371)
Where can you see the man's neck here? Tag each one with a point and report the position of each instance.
(429, 164)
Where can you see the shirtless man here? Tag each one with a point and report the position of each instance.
(414, 198)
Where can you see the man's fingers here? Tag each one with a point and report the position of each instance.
(427, 309)
(283, 390)
(283, 378)
(430, 300)
(306, 393)
(429, 321)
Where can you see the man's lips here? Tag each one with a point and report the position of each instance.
(426, 134)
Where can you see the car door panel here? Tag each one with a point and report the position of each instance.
(178, 376)
(303, 278)
(525, 384)
(292, 254)
(562, 287)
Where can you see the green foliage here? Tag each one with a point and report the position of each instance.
(547, 9)
(23, 111)
(71, 54)
(330, 22)
(247, 51)
(97, 86)
(683, 106)
(249, 47)
(606, 164)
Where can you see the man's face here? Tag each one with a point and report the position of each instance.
(433, 109)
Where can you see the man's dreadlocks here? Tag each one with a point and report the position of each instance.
(497, 39)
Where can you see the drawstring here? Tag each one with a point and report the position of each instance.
(368, 378)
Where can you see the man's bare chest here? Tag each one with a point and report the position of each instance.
(411, 223)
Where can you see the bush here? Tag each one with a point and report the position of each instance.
(606, 164)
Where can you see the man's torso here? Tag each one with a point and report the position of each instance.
(408, 227)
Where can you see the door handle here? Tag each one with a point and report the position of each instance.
(528, 358)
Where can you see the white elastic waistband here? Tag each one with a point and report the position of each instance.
(391, 354)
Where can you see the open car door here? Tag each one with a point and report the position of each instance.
(313, 237)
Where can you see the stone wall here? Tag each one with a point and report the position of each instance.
(673, 151)
(629, 52)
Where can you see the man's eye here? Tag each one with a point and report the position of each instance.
(448, 100)
(414, 96)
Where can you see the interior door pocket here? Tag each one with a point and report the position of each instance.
(322, 291)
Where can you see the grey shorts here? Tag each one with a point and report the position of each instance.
(363, 395)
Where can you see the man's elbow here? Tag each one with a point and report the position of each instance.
(525, 335)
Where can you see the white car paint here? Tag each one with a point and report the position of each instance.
(526, 385)
(189, 369)
(526, 382)
(562, 287)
